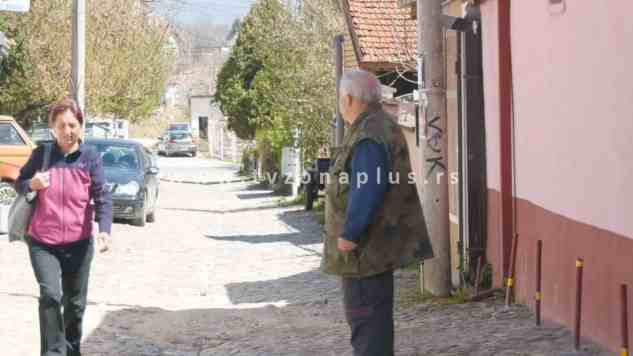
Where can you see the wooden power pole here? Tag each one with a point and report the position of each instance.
(437, 271)
(339, 132)
(79, 51)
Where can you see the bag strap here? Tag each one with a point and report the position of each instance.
(48, 148)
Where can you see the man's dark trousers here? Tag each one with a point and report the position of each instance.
(369, 310)
(60, 334)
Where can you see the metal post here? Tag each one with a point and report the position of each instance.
(578, 311)
(478, 275)
(433, 95)
(510, 280)
(79, 50)
(340, 125)
(624, 300)
(539, 296)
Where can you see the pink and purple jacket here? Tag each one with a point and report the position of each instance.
(63, 212)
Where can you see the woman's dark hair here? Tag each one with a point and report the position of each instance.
(61, 107)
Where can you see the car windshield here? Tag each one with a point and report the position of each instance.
(179, 136)
(9, 135)
(118, 156)
(179, 126)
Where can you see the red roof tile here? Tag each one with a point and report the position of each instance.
(383, 32)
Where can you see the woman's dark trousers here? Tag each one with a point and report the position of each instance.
(62, 274)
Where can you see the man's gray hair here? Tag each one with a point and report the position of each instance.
(361, 85)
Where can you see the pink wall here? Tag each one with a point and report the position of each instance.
(573, 98)
(573, 81)
(491, 91)
(573, 78)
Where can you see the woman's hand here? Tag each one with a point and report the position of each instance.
(103, 242)
(40, 181)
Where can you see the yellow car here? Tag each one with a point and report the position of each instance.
(15, 150)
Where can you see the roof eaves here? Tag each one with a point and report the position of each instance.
(350, 29)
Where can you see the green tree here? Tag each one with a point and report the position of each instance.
(279, 80)
(235, 29)
(127, 63)
(15, 91)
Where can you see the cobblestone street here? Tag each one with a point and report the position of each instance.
(225, 271)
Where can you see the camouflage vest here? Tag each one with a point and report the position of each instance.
(397, 236)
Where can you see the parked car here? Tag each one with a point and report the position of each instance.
(132, 177)
(41, 133)
(183, 126)
(96, 130)
(15, 150)
(177, 142)
(180, 126)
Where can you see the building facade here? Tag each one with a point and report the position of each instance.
(558, 103)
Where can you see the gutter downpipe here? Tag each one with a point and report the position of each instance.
(505, 125)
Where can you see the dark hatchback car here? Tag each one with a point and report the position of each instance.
(132, 177)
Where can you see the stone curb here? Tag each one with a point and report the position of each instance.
(214, 182)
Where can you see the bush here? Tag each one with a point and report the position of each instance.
(248, 165)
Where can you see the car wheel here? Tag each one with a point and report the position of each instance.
(194, 153)
(141, 221)
(7, 193)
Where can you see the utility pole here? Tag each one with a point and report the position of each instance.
(77, 85)
(340, 126)
(436, 271)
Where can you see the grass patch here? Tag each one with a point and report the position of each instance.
(410, 295)
(486, 277)
(319, 211)
(414, 267)
(413, 297)
(287, 202)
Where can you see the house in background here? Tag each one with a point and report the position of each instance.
(200, 112)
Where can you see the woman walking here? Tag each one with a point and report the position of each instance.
(60, 233)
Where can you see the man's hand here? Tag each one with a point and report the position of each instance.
(346, 246)
(103, 242)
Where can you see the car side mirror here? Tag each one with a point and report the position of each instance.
(153, 170)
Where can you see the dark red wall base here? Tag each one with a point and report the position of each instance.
(608, 263)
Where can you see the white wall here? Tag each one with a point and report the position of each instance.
(200, 106)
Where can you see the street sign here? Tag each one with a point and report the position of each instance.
(15, 5)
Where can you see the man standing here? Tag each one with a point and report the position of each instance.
(374, 222)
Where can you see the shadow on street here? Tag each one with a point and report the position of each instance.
(259, 331)
(308, 231)
(303, 288)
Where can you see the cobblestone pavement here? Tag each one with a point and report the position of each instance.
(225, 271)
(197, 170)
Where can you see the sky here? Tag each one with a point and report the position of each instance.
(211, 11)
